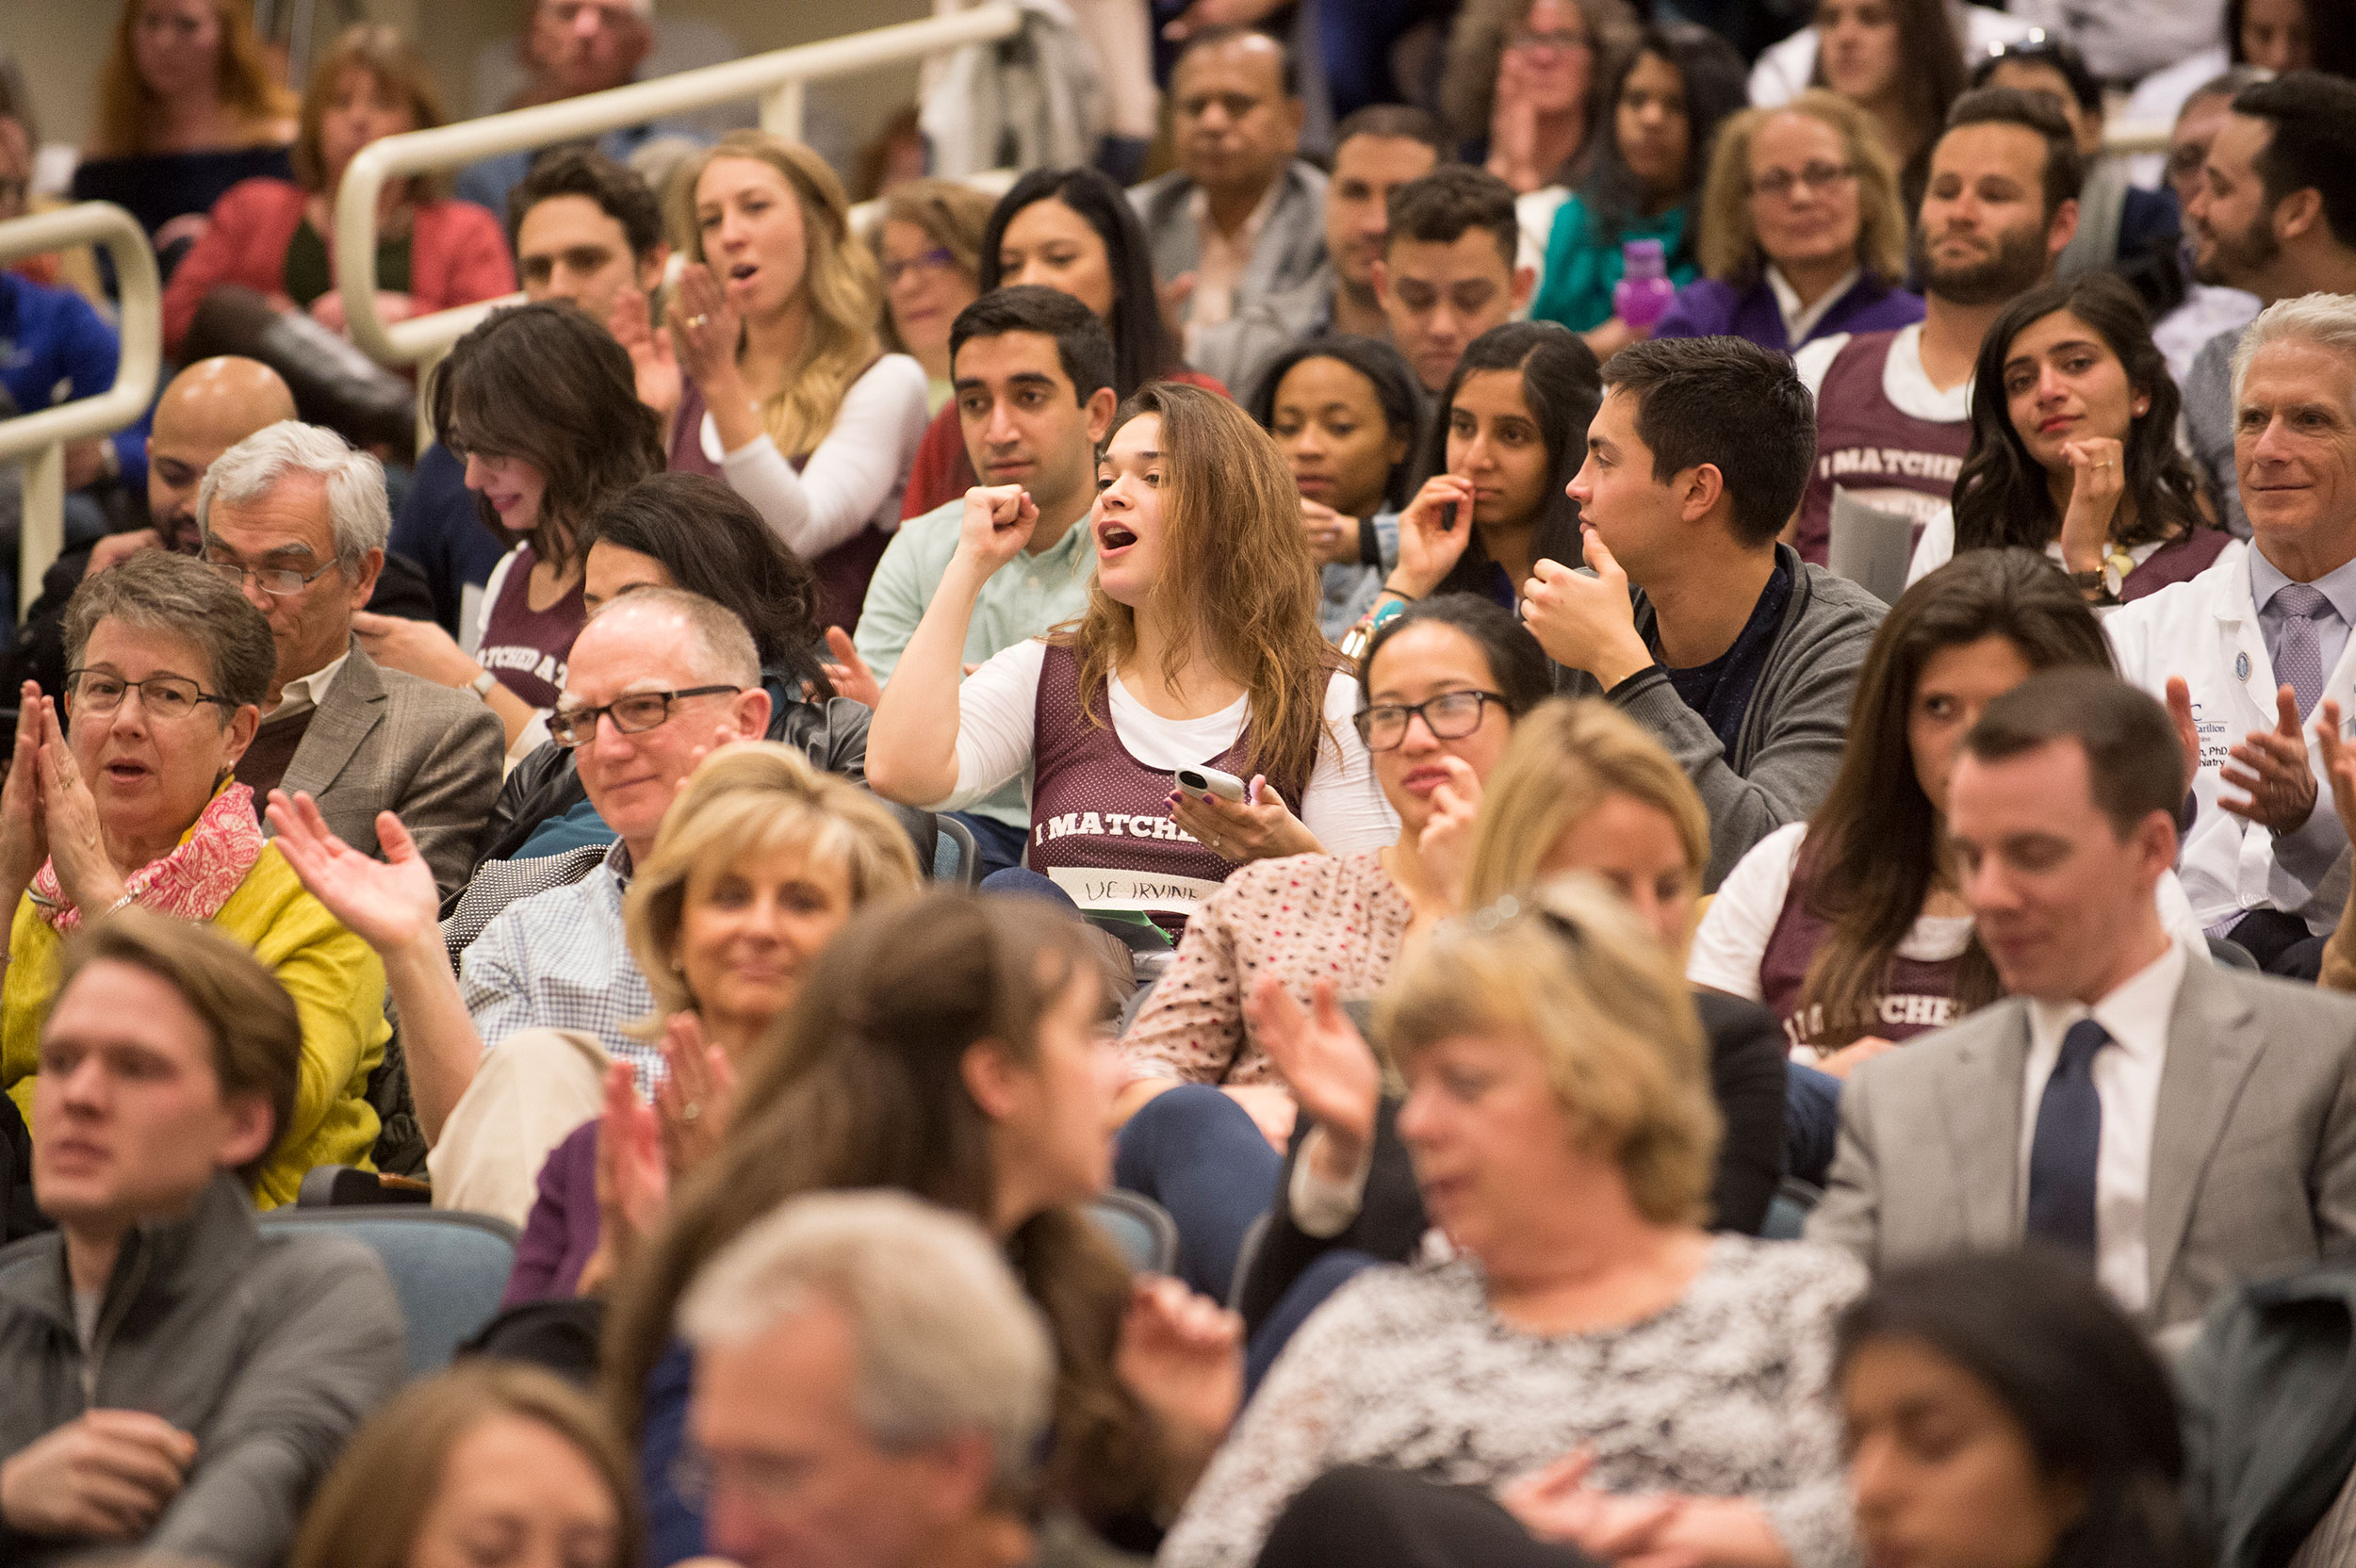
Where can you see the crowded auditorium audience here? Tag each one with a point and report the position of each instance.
(1405, 784)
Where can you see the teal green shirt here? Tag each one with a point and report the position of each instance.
(1582, 269)
(1023, 598)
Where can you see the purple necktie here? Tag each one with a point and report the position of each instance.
(2298, 657)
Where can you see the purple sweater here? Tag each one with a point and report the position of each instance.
(562, 1231)
(1709, 309)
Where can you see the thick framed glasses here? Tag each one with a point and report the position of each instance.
(163, 696)
(938, 259)
(1450, 716)
(1781, 183)
(281, 581)
(632, 715)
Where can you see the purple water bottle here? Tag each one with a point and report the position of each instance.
(1642, 294)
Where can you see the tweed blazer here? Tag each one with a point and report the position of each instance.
(385, 741)
(2254, 1144)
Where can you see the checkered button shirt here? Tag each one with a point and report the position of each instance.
(558, 960)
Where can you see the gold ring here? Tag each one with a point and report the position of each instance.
(697, 321)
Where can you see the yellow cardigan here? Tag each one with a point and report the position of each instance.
(338, 988)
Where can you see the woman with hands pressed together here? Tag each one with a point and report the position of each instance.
(169, 665)
(1631, 1384)
(1206, 1117)
(1513, 429)
(759, 863)
(955, 1047)
(1199, 649)
(2074, 449)
(769, 366)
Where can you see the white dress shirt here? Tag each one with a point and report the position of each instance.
(308, 691)
(1799, 320)
(2127, 1083)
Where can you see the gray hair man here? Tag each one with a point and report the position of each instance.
(297, 519)
(871, 1387)
(2247, 652)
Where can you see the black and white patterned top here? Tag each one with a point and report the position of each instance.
(1724, 1394)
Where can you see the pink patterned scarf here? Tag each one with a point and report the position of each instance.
(193, 881)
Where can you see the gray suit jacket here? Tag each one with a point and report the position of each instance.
(2253, 1151)
(385, 741)
(1291, 249)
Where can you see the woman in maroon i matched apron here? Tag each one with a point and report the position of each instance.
(540, 403)
(769, 366)
(1199, 649)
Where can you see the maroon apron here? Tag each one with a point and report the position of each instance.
(526, 647)
(1884, 457)
(1915, 997)
(1101, 828)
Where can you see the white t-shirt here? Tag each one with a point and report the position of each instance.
(1903, 382)
(854, 478)
(1731, 942)
(999, 703)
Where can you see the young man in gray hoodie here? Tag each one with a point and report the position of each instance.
(1739, 656)
(176, 1379)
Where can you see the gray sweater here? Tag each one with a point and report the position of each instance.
(268, 1349)
(1789, 744)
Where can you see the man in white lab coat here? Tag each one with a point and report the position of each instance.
(2260, 639)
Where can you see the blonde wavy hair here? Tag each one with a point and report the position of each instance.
(1571, 969)
(1728, 246)
(748, 800)
(1238, 574)
(841, 279)
(1565, 755)
(129, 114)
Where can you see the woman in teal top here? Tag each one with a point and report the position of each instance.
(1668, 99)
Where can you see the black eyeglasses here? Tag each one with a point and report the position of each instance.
(282, 582)
(1450, 716)
(633, 715)
(163, 696)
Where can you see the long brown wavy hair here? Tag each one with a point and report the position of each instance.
(1237, 575)
(841, 277)
(860, 1084)
(1871, 856)
(129, 114)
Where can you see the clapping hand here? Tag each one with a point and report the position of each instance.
(2339, 763)
(2270, 768)
(848, 672)
(696, 1097)
(633, 1182)
(387, 904)
(1326, 1063)
(86, 873)
(653, 362)
(23, 825)
(704, 330)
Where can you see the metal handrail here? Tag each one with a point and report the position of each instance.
(40, 438)
(776, 78)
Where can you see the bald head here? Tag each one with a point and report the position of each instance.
(208, 408)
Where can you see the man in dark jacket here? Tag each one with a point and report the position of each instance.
(177, 1381)
(1738, 656)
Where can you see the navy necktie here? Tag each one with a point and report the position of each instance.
(2068, 1140)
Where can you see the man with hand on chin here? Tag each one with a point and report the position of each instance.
(1739, 656)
